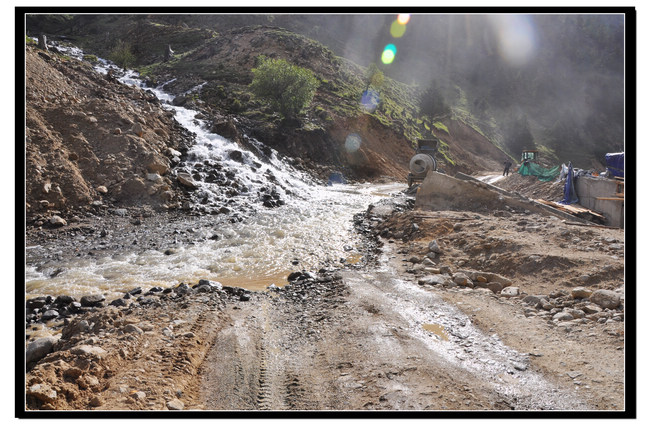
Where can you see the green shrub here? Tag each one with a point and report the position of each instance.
(286, 87)
(122, 55)
(91, 58)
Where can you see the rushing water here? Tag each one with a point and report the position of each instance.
(313, 228)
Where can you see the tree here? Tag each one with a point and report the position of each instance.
(286, 87)
(432, 102)
(122, 55)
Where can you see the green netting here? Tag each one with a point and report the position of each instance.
(541, 173)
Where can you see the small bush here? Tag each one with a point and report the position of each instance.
(122, 55)
(286, 87)
(90, 58)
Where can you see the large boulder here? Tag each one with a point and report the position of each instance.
(39, 348)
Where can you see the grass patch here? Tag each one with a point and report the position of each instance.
(438, 125)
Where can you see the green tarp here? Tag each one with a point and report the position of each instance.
(541, 173)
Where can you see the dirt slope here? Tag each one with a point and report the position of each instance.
(89, 138)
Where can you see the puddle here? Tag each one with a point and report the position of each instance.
(436, 329)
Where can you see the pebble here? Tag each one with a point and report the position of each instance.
(580, 293)
(175, 404)
(510, 292)
(57, 221)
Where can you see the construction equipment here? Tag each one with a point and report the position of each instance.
(424, 160)
(529, 155)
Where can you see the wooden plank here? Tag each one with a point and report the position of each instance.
(578, 211)
(592, 225)
(620, 195)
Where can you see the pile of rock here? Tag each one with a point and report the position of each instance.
(75, 313)
(581, 305)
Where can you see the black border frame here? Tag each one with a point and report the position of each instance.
(630, 411)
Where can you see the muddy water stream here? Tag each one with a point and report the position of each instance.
(311, 229)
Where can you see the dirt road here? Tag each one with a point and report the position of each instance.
(373, 342)
(379, 336)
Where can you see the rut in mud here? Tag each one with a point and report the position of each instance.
(366, 340)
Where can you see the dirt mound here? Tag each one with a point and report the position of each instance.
(532, 188)
(89, 138)
(471, 151)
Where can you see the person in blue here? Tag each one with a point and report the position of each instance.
(506, 169)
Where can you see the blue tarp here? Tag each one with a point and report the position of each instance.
(570, 196)
(336, 178)
(615, 163)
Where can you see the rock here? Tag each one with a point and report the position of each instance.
(154, 177)
(580, 293)
(414, 259)
(462, 279)
(96, 401)
(510, 292)
(175, 404)
(494, 286)
(39, 348)
(546, 305)
(137, 129)
(42, 392)
(57, 221)
(577, 314)
(591, 309)
(432, 280)
(157, 168)
(120, 302)
(34, 303)
(50, 314)
(236, 155)
(139, 396)
(63, 300)
(605, 298)
(132, 329)
(186, 180)
(173, 153)
(562, 316)
(85, 349)
(434, 247)
(95, 300)
(428, 262)
(489, 277)
(534, 299)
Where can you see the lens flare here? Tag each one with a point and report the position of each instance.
(352, 143)
(369, 100)
(389, 53)
(403, 18)
(397, 29)
(517, 37)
